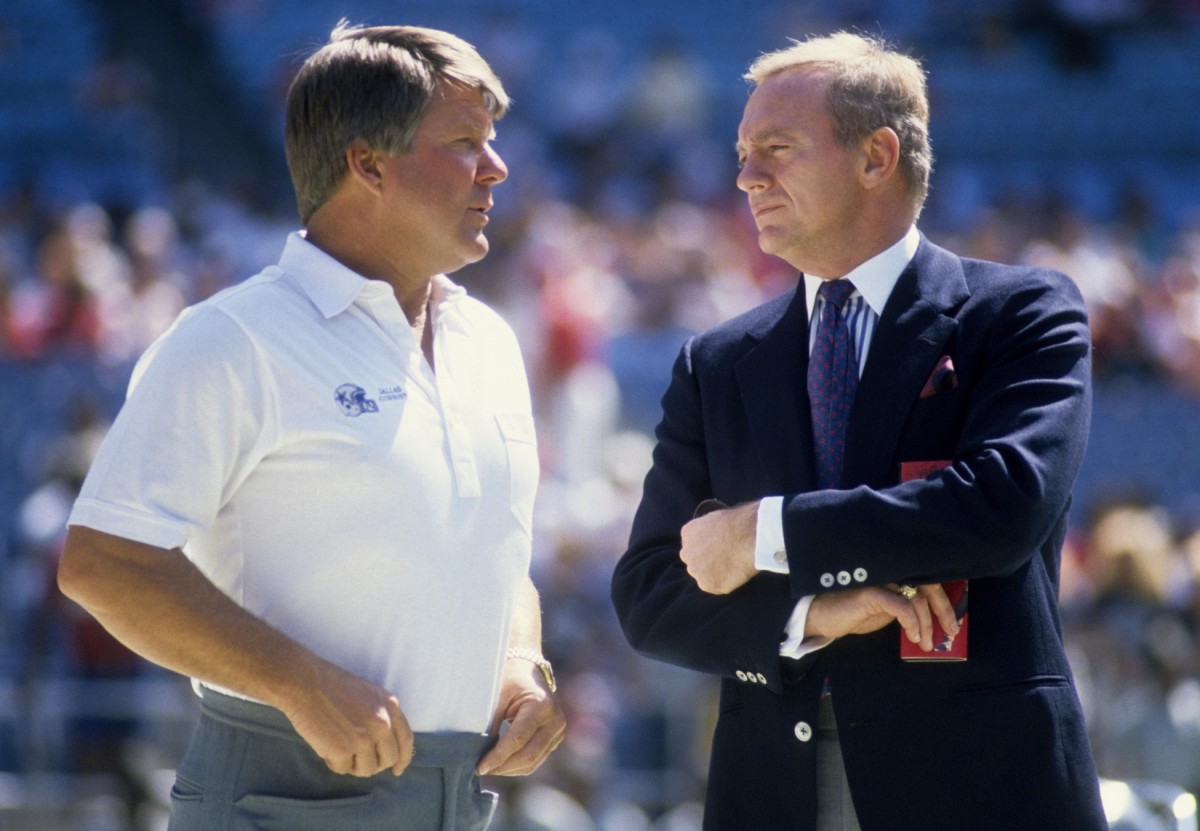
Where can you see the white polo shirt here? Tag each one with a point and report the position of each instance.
(290, 436)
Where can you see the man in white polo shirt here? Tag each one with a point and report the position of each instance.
(317, 498)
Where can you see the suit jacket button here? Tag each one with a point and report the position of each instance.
(843, 578)
(860, 575)
(741, 676)
(827, 580)
(762, 679)
(803, 731)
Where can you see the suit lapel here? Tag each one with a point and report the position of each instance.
(911, 335)
(770, 378)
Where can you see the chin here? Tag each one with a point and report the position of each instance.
(468, 255)
(768, 242)
(478, 249)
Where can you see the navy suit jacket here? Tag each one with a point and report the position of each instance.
(996, 742)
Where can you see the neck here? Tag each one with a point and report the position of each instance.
(866, 239)
(347, 243)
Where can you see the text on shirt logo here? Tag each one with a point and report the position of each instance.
(395, 393)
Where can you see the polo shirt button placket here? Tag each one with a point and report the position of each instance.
(466, 474)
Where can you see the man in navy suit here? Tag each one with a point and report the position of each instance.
(974, 374)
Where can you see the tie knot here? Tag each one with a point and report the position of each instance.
(836, 292)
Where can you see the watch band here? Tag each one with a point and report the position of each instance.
(539, 661)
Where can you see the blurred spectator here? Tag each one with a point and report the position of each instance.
(665, 124)
(136, 310)
(1077, 32)
(1170, 322)
(586, 97)
(1108, 275)
(1136, 649)
(55, 311)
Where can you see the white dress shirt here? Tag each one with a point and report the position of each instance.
(290, 436)
(873, 283)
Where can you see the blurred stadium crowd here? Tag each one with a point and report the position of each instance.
(139, 173)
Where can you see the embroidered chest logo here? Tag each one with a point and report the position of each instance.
(353, 401)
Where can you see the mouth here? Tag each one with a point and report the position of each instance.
(481, 209)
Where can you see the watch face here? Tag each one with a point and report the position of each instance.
(539, 661)
(548, 673)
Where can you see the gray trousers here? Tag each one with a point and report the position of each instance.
(246, 769)
(835, 809)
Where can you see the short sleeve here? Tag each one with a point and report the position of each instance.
(194, 423)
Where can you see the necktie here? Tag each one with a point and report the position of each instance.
(832, 381)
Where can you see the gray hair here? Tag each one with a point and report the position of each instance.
(870, 86)
(373, 84)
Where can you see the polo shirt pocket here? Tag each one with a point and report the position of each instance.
(520, 445)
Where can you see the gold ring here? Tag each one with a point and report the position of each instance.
(907, 592)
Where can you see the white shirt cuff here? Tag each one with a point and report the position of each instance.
(794, 644)
(771, 555)
(769, 551)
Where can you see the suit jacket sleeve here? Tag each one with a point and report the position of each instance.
(1015, 430)
(664, 613)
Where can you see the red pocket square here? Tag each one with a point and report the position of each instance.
(941, 379)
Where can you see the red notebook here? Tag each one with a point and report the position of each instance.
(945, 648)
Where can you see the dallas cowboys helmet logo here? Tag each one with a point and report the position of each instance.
(353, 401)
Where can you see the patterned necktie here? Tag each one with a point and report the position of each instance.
(832, 380)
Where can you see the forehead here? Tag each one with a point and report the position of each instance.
(455, 106)
(792, 101)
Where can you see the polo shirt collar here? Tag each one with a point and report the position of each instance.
(876, 277)
(333, 287)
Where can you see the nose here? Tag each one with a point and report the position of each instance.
(492, 169)
(750, 178)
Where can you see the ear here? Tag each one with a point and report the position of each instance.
(881, 156)
(364, 165)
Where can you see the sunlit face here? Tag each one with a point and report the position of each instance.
(438, 195)
(803, 187)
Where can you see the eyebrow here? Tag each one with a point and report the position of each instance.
(474, 128)
(773, 134)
